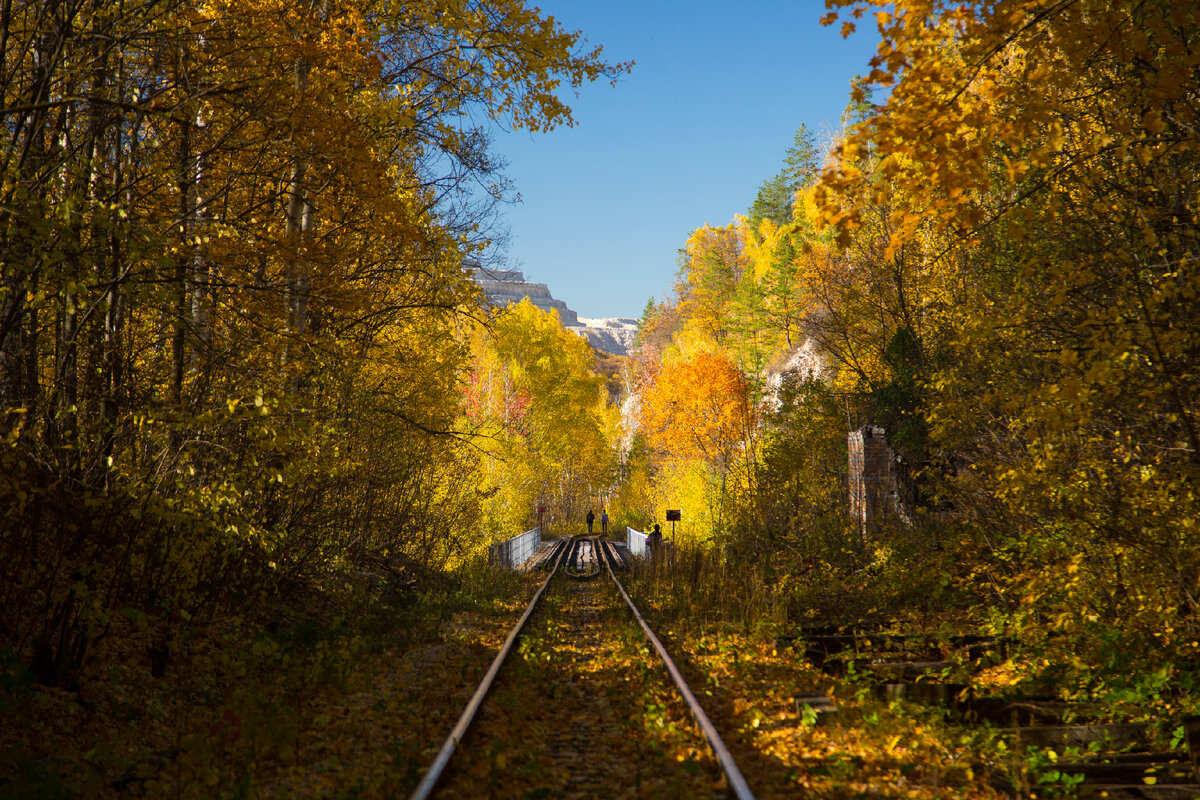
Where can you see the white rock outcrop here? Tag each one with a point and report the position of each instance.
(610, 334)
(805, 362)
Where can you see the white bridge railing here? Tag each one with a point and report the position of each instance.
(514, 552)
(636, 541)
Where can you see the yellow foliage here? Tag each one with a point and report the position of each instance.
(542, 419)
(1034, 166)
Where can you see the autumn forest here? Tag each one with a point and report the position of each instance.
(260, 427)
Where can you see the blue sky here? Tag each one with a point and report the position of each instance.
(707, 114)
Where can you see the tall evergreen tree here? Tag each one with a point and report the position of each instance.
(800, 168)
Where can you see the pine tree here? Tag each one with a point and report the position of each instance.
(777, 194)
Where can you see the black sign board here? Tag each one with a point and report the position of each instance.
(674, 515)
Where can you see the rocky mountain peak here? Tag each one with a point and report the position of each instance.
(504, 286)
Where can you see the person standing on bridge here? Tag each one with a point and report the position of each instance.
(604, 522)
(654, 540)
(591, 518)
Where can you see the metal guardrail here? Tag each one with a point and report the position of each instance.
(636, 540)
(737, 782)
(514, 552)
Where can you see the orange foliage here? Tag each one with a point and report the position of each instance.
(698, 408)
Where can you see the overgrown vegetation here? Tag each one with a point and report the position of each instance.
(258, 431)
(231, 318)
(235, 339)
(993, 266)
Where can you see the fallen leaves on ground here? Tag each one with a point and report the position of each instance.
(585, 710)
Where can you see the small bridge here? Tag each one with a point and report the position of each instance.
(528, 551)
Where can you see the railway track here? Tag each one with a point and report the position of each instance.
(579, 739)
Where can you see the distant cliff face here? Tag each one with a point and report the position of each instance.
(610, 334)
(503, 286)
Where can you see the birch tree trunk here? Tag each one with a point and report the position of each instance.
(182, 301)
(299, 225)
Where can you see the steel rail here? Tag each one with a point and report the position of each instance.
(429, 781)
(573, 551)
(737, 781)
(574, 564)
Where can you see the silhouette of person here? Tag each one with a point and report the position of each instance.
(604, 522)
(590, 519)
